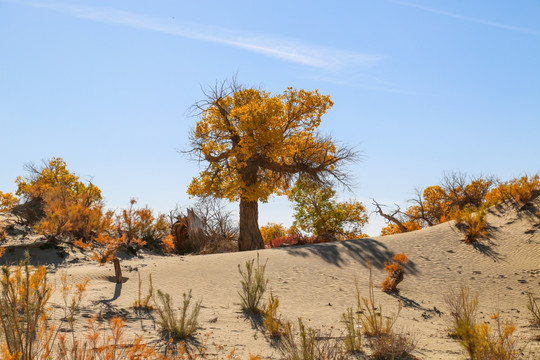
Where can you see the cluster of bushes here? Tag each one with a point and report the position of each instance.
(61, 206)
(460, 198)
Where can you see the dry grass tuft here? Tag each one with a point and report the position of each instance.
(254, 284)
(24, 293)
(533, 307)
(310, 344)
(396, 345)
(479, 340)
(143, 303)
(271, 321)
(179, 327)
(374, 324)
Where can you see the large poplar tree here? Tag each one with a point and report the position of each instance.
(257, 144)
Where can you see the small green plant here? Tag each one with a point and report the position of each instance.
(310, 344)
(254, 285)
(179, 327)
(373, 322)
(271, 321)
(143, 303)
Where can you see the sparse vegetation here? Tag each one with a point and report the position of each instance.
(534, 309)
(374, 324)
(479, 340)
(395, 272)
(461, 198)
(310, 344)
(182, 326)
(395, 345)
(254, 284)
(472, 224)
(272, 321)
(24, 294)
(143, 303)
(353, 330)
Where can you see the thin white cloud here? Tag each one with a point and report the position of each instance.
(468, 18)
(277, 48)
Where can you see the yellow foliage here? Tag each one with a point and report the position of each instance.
(7, 201)
(519, 190)
(103, 247)
(272, 231)
(394, 228)
(252, 140)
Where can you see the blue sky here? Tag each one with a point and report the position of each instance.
(421, 87)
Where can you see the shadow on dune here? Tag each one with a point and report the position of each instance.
(360, 250)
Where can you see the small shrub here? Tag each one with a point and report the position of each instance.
(180, 327)
(140, 227)
(253, 284)
(7, 201)
(519, 190)
(462, 306)
(395, 272)
(310, 344)
(271, 321)
(353, 330)
(373, 322)
(472, 223)
(24, 293)
(168, 245)
(103, 345)
(272, 231)
(533, 307)
(395, 345)
(143, 303)
(479, 340)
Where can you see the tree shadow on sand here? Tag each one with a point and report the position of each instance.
(360, 250)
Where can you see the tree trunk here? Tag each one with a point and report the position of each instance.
(250, 236)
(117, 271)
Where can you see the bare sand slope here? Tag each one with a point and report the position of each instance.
(316, 282)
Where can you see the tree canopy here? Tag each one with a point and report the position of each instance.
(256, 144)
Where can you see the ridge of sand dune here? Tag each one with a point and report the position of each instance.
(316, 282)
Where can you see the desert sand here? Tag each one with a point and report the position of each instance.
(316, 282)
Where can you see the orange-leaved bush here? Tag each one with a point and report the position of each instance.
(272, 231)
(59, 203)
(141, 227)
(395, 272)
(7, 201)
(520, 190)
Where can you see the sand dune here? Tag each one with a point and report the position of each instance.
(316, 282)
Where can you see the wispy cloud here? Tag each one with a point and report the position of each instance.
(468, 18)
(282, 49)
